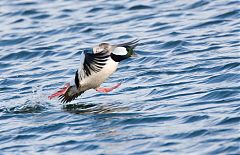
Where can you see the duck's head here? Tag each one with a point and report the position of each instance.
(124, 51)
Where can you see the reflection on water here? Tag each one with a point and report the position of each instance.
(86, 108)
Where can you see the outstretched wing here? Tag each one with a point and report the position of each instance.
(89, 63)
(94, 62)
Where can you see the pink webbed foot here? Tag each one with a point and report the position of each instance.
(60, 92)
(106, 90)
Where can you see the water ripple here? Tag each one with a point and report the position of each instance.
(179, 94)
(11, 42)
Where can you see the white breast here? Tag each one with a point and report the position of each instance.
(96, 79)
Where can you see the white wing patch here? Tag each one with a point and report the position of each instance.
(120, 51)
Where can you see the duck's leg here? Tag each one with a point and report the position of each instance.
(106, 90)
(60, 92)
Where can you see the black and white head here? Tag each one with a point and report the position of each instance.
(123, 51)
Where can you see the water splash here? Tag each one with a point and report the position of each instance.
(33, 103)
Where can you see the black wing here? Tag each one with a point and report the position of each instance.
(69, 96)
(94, 62)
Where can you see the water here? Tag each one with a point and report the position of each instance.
(180, 94)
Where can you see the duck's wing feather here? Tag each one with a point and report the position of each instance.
(70, 95)
(90, 63)
(94, 62)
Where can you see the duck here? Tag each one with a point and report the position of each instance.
(95, 68)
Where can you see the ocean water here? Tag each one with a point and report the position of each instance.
(180, 95)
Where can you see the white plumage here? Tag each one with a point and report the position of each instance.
(96, 79)
(120, 51)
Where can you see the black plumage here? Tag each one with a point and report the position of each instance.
(94, 62)
(67, 97)
(76, 79)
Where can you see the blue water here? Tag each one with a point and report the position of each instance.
(181, 93)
